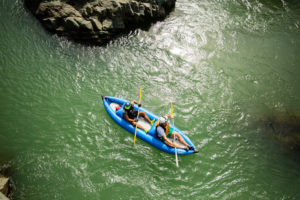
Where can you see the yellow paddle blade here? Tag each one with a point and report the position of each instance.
(140, 95)
(176, 157)
(172, 107)
(138, 115)
(134, 135)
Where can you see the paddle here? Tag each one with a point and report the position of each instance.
(137, 116)
(176, 157)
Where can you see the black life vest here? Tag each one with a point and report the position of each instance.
(131, 113)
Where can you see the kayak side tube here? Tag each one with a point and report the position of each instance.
(149, 137)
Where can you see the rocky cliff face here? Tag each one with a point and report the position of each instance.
(98, 21)
(4, 187)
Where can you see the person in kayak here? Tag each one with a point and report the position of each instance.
(130, 114)
(164, 131)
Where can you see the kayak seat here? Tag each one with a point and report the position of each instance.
(120, 112)
(152, 130)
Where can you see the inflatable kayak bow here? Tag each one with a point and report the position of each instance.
(114, 107)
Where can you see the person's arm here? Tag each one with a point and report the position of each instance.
(128, 119)
(169, 116)
(168, 142)
(134, 101)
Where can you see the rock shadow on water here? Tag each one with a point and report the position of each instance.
(285, 130)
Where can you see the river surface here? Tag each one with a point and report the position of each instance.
(226, 65)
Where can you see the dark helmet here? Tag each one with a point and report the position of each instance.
(127, 106)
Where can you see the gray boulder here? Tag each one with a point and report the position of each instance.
(70, 24)
(107, 24)
(96, 24)
(98, 21)
(4, 185)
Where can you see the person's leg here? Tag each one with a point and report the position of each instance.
(180, 138)
(139, 126)
(143, 114)
(172, 144)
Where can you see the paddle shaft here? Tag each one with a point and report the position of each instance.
(140, 98)
(176, 157)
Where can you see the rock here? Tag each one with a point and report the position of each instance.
(134, 6)
(86, 25)
(56, 9)
(96, 24)
(88, 10)
(148, 9)
(107, 24)
(118, 23)
(82, 23)
(61, 30)
(4, 184)
(50, 23)
(98, 21)
(100, 12)
(70, 23)
(3, 197)
(69, 11)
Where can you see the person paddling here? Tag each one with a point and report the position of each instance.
(130, 114)
(164, 131)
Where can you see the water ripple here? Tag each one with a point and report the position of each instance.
(217, 60)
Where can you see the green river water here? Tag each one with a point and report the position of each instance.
(228, 66)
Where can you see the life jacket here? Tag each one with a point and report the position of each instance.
(167, 128)
(130, 113)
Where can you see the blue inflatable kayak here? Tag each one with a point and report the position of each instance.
(114, 107)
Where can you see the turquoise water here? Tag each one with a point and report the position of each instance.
(228, 66)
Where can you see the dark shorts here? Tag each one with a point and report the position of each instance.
(134, 114)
